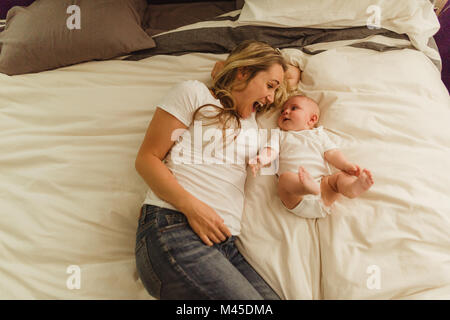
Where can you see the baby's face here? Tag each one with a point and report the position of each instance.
(298, 113)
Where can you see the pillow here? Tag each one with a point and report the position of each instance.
(239, 4)
(164, 17)
(48, 34)
(177, 1)
(5, 5)
(414, 18)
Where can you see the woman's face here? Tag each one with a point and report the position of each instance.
(259, 91)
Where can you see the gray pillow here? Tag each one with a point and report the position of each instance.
(164, 17)
(45, 36)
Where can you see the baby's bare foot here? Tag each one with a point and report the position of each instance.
(362, 184)
(308, 185)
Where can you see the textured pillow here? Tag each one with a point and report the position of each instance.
(164, 17)
(48, 34)
(414, 18)
(239, 4)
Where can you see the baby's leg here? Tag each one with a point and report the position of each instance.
(293, 186)
(345, 184)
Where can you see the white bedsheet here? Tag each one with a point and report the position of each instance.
(389, 112)
(69, 192)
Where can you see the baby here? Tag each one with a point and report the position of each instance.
(305, 185)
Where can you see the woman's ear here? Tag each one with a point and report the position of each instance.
(242, 73)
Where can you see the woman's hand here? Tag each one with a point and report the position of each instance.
(206, 223)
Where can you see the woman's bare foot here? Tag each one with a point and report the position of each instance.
(307, 183)
(360, 185)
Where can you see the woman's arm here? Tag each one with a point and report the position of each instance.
(208, 225)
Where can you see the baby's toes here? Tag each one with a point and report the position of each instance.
(301, 173)
(369, 175)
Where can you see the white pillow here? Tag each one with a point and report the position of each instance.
(415, 18)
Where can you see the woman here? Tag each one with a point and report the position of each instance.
(191, 216)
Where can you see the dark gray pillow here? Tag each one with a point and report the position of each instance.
(38, 37)
(164, 17)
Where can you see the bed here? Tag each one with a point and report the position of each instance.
(70, 196)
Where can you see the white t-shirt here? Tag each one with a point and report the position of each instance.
(305, 148)
(214, 175)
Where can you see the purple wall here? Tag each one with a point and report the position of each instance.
(443, 41)
(5, 5)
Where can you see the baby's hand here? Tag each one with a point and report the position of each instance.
(352, 169)
(265, 157)
(255, 165)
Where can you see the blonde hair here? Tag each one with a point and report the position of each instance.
(253, 56)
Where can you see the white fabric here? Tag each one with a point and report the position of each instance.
(414, 18)
(215, 178)
(70, 194)
(305, 148)
(311, 207)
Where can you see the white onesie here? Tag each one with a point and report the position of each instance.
(306, 148)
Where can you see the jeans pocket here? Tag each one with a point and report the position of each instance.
(145, 270)
(172, 222)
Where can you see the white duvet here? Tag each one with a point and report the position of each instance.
(69, 192)
(70, 196)
(389, 112)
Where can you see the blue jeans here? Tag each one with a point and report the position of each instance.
(173, 263)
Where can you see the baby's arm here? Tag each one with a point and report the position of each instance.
(296, 61)
(218, 66)
(263, 159)
(337, 159)
(292, 75)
